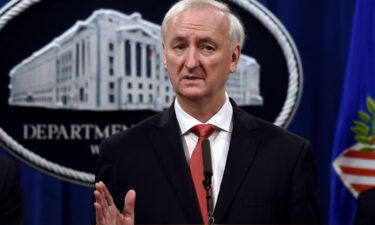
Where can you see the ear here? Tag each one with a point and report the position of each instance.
(164, 55)
(234, 58)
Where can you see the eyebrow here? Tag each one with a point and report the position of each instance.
(201, 40)
(206, 40)
(177, 39)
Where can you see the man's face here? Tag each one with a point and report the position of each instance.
(197, 53)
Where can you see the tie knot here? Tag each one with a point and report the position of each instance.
(203, 130)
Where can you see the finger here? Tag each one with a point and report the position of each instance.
(107, 195)
(100, 186)
(99, 196)
(129, 204)
(99, 200)
(99, 217)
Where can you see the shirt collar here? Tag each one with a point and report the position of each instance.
(222, 119)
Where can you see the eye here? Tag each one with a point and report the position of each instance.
(179, 47)
(208, 48)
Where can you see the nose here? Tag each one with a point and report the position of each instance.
(191, 59)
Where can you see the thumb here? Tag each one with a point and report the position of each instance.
(129, 202)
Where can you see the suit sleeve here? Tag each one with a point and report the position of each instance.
(105, 172)
(365, 214)
(304, 202)
(11, 203)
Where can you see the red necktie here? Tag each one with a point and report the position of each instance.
(196, 166)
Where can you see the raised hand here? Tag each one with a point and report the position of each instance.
(106, 212)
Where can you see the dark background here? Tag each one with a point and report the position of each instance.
(321, 30)
(40, 31)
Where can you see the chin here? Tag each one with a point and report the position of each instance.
(193, 95)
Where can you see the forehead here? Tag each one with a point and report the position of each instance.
(205, 22)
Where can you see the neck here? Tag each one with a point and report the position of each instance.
(202, 109)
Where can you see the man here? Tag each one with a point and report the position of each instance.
(365, 214)
(11, 207)
(261, 173)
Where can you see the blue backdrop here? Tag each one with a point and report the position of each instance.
(321, 30)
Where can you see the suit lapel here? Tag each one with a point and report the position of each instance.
(167, 144)
(243, 145)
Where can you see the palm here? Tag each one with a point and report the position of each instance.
(111, 216)
(107, 212)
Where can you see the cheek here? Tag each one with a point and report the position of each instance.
(219, 66)
(174, 62)
(220, 71)
(173, 73)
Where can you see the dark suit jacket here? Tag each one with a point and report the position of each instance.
(269, 176)
(11, 204)
(366, 208)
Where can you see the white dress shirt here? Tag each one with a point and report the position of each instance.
(219, 140)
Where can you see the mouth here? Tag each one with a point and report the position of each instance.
(192, 78)
(191, 81)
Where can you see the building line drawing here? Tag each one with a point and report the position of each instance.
(111, 61)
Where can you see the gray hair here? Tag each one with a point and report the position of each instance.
(236, 29)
